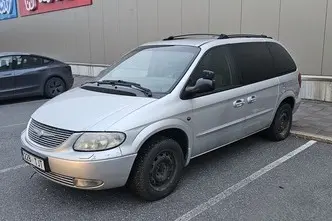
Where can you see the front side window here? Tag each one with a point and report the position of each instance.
(6, 63)
(216, 61)
(157, 68)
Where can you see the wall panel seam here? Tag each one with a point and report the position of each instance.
(103, 29)
(324, 37)
(279, 22)
(241, 16)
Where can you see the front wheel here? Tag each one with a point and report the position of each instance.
(282, 123)
(157, 169)
(54, 86)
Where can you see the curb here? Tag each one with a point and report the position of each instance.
(311, 136)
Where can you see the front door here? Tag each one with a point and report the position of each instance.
(7, 82)
(217, 116)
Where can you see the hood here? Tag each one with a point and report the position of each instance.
(80, 110)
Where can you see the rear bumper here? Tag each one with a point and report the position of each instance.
(296, 105)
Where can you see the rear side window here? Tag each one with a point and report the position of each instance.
(26, 61)
(283, 62)
(253, 61)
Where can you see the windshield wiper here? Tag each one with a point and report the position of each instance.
(137, 86)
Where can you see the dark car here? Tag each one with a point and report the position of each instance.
(23, 75)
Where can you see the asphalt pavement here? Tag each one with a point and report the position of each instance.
(253, 179)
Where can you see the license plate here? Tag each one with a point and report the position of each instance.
(33, 160)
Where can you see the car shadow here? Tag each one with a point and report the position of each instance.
(21, 100)
(124, 196)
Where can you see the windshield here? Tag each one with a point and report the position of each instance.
(158, 68)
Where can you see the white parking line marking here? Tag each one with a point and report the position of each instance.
(13, 168)
(233, 189)
(13, 125)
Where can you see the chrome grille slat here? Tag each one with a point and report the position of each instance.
(46, 138)
(65, 180)
(51, 129)
(52, 138)
(48, 130)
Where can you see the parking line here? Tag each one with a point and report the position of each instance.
(233, 189)
(13, 125)
(13, 168)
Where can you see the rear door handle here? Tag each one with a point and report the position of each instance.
(7, 75)
(251, 99)
(238, 103)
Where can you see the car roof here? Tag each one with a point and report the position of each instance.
(13, 53)
(2, 54)
(192, 40)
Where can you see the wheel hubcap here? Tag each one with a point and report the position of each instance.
(56, 87)
(162, 170)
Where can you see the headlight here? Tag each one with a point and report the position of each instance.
(98, 141)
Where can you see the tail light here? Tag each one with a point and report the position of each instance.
(299, 78)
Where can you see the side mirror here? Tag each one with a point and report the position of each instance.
(202, 86)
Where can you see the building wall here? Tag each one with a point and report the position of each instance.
(101, 33)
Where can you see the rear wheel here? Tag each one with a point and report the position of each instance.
(157, 169)
(282, 123)
(54, 86)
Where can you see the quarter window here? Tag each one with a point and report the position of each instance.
(283, 62)
(253, 61)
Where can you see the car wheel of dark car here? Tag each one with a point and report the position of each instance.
(157, 169)
(54, 86)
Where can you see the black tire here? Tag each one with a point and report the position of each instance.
(282, 123)
(157, 169)
(53, 87)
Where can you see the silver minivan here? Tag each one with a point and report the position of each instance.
(163, 104)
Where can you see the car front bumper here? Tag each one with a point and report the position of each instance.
(91, 174)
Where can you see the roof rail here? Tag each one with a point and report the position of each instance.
(219, 36)
(188, 35)
(243, 36)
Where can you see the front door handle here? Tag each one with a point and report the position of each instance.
(251, 99)
(7, 75)
(238, 103)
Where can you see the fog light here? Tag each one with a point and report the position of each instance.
(83, 183)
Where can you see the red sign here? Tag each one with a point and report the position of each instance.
(32, 7)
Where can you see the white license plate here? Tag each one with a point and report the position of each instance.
(35, 161)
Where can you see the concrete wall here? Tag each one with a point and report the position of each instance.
(101, 33)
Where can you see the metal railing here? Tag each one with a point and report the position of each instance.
(316, 78)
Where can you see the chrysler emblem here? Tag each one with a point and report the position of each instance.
(41, 133)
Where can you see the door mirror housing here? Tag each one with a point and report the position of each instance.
(204, 84)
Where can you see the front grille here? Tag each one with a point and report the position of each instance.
(47, 136)
(58, 178)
